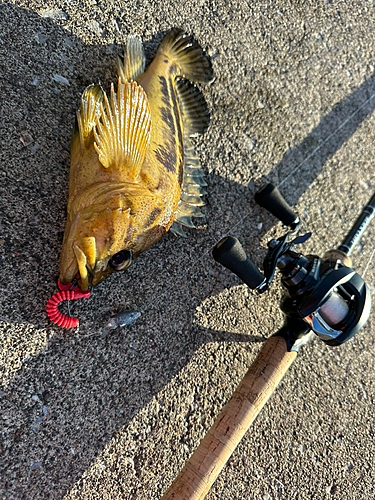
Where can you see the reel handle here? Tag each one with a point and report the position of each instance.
(230, 254)
(271, 199)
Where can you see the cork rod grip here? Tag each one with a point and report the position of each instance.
(262, 378)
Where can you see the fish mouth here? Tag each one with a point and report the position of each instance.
(88, 281)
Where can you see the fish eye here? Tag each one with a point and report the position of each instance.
(120, 260)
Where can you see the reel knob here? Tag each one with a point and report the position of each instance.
(271, 199)
(230, 254)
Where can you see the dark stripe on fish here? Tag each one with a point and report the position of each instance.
(171, 116)
(177, 115)
(180, 139)
(151, 218)
(167, 158)
(173, 70)
(168, 120)
(164, 91)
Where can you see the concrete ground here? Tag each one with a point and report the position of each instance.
(90, 415)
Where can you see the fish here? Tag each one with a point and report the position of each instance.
(134, 174)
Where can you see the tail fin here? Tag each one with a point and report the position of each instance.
(189, 56)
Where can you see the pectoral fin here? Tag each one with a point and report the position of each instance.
(91, 100)
(122, 134)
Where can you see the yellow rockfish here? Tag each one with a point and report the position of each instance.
(134, 174)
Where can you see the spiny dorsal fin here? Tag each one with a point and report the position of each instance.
(122, 135)
(188, 55)
(194, 110)
(134, 61)
(91, 101)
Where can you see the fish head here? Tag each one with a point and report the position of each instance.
(96, 245)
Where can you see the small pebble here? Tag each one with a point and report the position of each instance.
(331, 489)
(60, 79)
(56, 14)
(35, 81)
(36, 465)
(26, 138)
(42, 38)
(45, 410)
(95, 27)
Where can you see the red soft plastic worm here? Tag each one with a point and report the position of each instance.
(53, 312)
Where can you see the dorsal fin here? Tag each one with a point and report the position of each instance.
(134, 61)
(89, 110)
(122, 135)
(194, 109)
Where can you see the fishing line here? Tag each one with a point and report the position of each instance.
(327, 139)
(293, 172)
(368, 263)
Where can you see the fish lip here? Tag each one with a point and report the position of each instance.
(76, 281)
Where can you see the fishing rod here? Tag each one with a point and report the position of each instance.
(323, 296)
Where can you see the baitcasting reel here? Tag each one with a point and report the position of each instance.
(325, 293)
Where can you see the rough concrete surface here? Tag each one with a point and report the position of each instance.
(86, 415)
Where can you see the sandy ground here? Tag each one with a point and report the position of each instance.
(86, 415)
